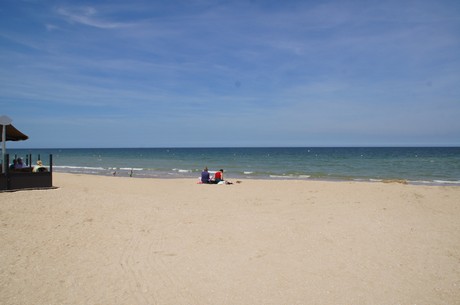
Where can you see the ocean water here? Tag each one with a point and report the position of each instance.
(433, 165)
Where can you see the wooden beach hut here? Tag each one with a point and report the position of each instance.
(23, 178)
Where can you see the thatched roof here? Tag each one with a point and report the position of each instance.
(12, 134)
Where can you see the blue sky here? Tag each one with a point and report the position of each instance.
(231, 73)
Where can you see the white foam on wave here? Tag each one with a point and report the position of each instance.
(436, 182)
(248, 173)
(131, 168)
(79, 167)
(182, 170)
(447, 181)
(280, 176)
(290, 176)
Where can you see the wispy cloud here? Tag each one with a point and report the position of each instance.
(51, 27)
(89, 16)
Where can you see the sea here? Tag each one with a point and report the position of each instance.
(416, 165)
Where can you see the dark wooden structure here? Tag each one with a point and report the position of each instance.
(25, 178)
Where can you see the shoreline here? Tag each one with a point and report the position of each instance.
(277, 178)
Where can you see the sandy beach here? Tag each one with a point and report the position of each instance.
(113, 240)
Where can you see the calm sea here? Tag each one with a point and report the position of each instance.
(433, 165)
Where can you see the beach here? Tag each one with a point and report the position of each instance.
(120, 240)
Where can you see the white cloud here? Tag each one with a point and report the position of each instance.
(51, 27)
(88, 16)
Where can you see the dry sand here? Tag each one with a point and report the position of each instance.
(112, 240)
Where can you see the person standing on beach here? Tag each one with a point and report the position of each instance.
(205, 175)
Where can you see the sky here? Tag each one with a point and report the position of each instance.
(204, 73)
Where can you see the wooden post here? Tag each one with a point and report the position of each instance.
(7, 171)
